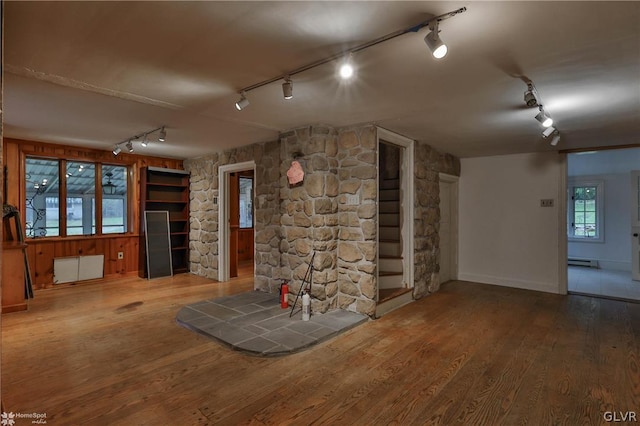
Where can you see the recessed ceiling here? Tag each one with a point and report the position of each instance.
(97, 73)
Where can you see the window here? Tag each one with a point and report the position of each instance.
(81, 192)
(114, 199)
(42, 198)
(246, 204)
(585, 211)
(44, 209)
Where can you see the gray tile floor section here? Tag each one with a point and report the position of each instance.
(255, 323)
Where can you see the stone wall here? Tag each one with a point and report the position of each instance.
(309, 213)
(332, 212)
(203, 238)
(357, 215)
(428, 163)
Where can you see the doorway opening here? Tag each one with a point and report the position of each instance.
(236, 256)
(603, 223)
(395, 221)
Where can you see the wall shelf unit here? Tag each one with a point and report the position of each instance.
(167, 190)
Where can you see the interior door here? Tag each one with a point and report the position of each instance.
(445, 232)
(234, 222)
(635, 225)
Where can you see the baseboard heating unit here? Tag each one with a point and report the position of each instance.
(577, 261)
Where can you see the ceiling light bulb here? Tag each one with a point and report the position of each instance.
(242, 103)
(129, 146)
(435, 44)
(543, 118)
(162, 136)
(555, 139)
(145, 142)
(116, 150)
(287, 88)
(346, 71)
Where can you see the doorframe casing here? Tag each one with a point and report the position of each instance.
(407, 191)
(563, 240)
(223, 214)
(453, 205)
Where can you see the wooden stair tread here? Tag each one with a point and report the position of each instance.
(389, 293)
(388, 273)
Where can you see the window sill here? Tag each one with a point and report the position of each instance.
(585, 240)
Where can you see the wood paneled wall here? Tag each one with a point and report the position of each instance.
(42, 251)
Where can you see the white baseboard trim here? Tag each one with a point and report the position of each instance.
(511, 282)
(615, 265)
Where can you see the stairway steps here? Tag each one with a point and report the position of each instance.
(389, 195)
(389, 248)
(389, 219)
(391, 264)
(389, 184)
(389, 233)
(390, 280)
(388, 207)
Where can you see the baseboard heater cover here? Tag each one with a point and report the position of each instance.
(576, 261)
(77, 268)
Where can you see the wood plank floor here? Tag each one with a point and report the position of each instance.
(111, 354)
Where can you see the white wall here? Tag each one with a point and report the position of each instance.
(506, 237)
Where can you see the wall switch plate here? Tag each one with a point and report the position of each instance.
(546, 202)
(120, 255)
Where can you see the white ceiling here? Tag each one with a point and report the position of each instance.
(97, 73)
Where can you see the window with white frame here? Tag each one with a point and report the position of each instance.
(585, 210)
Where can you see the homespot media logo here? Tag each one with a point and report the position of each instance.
(9, 419)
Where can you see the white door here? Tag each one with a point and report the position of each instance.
(445, 232)
(448, 228)
(635, 225)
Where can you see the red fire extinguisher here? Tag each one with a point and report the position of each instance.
(284, 295)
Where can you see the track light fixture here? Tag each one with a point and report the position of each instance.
(544, 118)
(548, 131)
(435, 44)
(531, 95)
(553, 133)
(287, 88)
(243, 102)
(438, 48)
(143, 138)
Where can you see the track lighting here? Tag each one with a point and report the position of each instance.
(287, 88)
(530, 96)
(553, 133)
(548, 131)
(346, 69)
(143, 138)
(435, 44)
(242, 103)
(544, 118)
